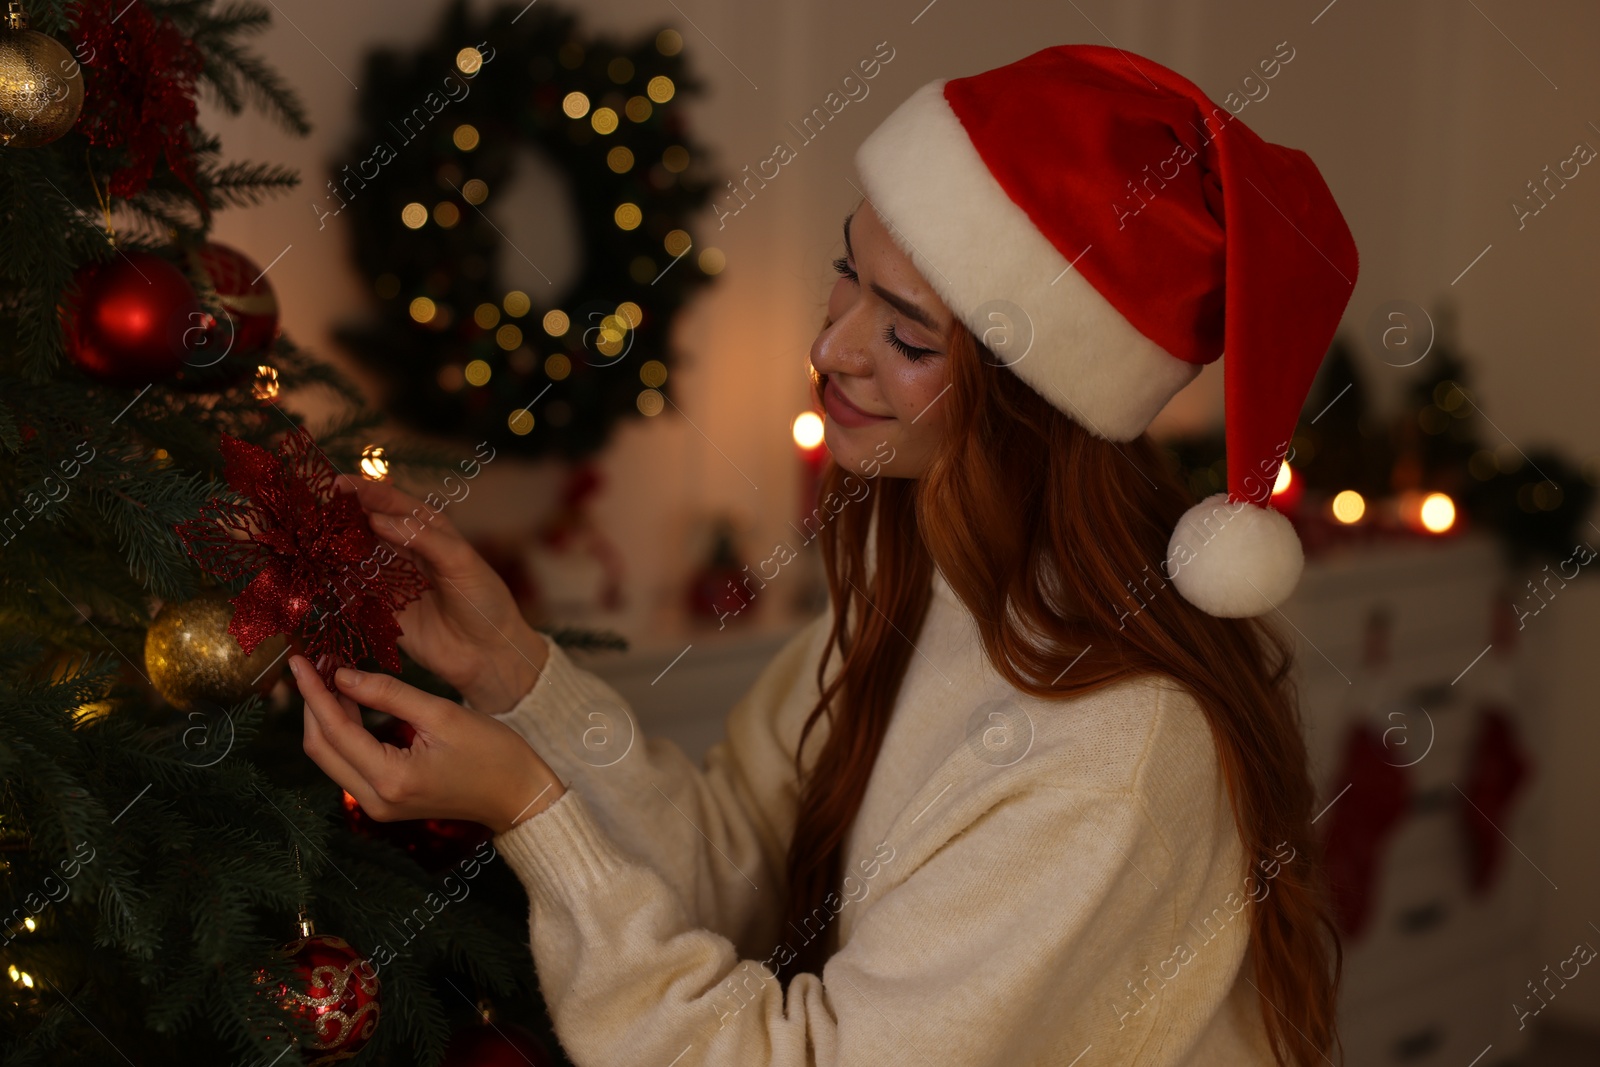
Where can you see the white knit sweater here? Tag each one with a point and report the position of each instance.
(1029, 882)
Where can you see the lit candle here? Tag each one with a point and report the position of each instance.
(807, 431)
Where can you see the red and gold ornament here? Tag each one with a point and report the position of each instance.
(337, 994)
(127, 319)
(243, 292)
(228, 346)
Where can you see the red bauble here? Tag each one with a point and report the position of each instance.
(496, 1045)
(250, 320)
(337, 995)
(127, 319)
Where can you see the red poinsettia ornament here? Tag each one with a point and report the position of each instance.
(318, 569)
(141, 74)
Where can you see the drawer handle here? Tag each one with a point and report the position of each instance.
(1423, 917)
(1417, 1045)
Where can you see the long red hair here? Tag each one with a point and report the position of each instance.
(1095, 516)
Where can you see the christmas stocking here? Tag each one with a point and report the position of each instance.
(1360, 824)
(1497, 771)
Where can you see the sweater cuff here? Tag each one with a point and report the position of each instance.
(556, 704)
(561, 854)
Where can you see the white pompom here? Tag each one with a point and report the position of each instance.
(1234, 560)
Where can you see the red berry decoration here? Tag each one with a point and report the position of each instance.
(127, 319)
(337, 995)
(496, 1045)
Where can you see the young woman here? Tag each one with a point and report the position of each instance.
(1032, 791)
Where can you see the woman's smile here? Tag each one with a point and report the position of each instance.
(843, 412)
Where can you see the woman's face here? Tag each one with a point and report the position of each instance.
(881, 359)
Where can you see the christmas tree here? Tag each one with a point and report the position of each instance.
(178, 883)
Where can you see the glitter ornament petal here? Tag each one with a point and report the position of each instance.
(316, 568)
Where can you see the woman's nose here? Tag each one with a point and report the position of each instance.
(841, 347)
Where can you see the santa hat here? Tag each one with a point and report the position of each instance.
(1142, 231)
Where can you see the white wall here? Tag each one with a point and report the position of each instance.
(1425, 118)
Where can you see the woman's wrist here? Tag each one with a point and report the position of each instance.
(532, 794)
(510, 674)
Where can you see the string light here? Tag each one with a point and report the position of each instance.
(477, 372)
(653, 373)
(516, 303)
(1438, 513)
(556, 323)
(638, 108)
(520, 422)
(807, 429)
(469, 60)
(475, 191)
(712, 260)
(604, 120)
(620, 159)
(650, 402)
(374, 463)
(1349, 506)
(677, 243)
(446, 214)
(508, 336)
(628, 216)
(486, 316)
(422, 309)
(465, 137)
(575, 105)
(414, 215)
(669, 42)
(660, 88)
(266, 383)
(557, 366)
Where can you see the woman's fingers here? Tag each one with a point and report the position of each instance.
(335, 766)
(343, 733)
(383, 692)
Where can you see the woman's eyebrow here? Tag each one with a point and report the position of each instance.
(894, 300)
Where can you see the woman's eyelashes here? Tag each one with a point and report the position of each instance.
(911, 352)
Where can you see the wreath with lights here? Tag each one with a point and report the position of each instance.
(459, 353)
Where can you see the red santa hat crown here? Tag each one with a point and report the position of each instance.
(1142, 231)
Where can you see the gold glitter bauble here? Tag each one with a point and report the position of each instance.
(41, 86)
(193, 661)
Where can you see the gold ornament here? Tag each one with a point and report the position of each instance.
(41, 87)
(193, 661)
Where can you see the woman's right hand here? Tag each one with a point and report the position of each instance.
(466, 628)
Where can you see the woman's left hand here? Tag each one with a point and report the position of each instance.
(461, 764)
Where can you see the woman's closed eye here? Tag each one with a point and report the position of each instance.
(910, 351)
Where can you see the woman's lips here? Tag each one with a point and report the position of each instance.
(845, 413)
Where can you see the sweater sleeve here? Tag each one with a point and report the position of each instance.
(1003, 943)
(717, 836)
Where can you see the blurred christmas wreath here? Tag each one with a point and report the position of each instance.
(1430, 472)
(546, 371)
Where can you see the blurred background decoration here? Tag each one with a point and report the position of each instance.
(528, 236)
